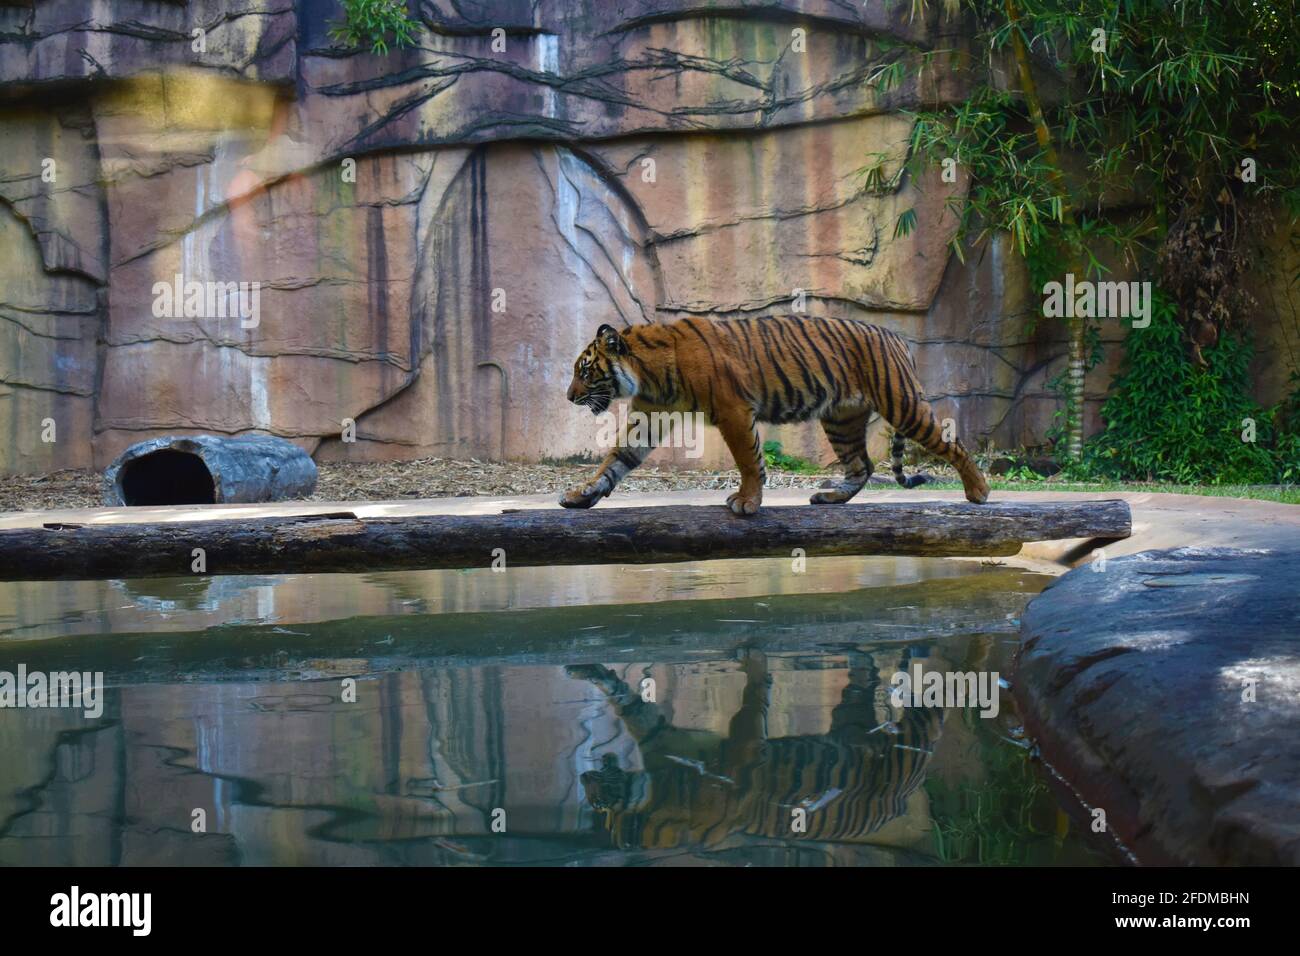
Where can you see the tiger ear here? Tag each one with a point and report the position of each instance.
(609, 338)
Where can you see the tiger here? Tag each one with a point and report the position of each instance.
(774, 369)
(698, 788)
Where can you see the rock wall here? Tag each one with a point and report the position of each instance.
(435, 233)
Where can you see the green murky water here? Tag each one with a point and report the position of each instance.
(724, 713)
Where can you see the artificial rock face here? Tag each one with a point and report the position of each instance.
(411, 249)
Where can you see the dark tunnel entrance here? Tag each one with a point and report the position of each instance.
(167, 477)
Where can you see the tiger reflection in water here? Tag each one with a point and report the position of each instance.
(699, 788)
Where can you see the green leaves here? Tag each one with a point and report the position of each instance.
(1167, 420)
(778, 460)
(873, 175)
(1152, 128)
(1011, 181)
(905, 223)
(372, 22)
(1181, 94)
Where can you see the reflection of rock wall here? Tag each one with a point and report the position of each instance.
(260, 735)
(286, 773)
(628, 162)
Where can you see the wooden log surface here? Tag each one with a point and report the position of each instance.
(341, 542)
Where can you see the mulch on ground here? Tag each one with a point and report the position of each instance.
(433, 478)
(397, 480)
(59, 489)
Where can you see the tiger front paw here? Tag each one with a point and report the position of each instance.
(583, 496)
(744, 505)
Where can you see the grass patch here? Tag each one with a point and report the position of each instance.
(778, 460)
(1285, 494)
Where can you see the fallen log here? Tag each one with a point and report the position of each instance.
(346, 543)
(209, 469)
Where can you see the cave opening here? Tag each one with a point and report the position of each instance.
(167, 477)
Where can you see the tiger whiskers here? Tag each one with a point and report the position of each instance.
(597, 401)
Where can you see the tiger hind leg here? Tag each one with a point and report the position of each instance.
(847, 433)
(923, 428)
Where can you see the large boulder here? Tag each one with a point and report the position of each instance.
(1164, 687)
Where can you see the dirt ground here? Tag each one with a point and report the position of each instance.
(447, 478)
(426, 478)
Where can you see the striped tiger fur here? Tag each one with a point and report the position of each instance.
(700, 789)
(776, 369)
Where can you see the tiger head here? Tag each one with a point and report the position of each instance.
(611, 789)
(600, 375)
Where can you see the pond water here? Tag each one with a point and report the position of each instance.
(720, 713)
